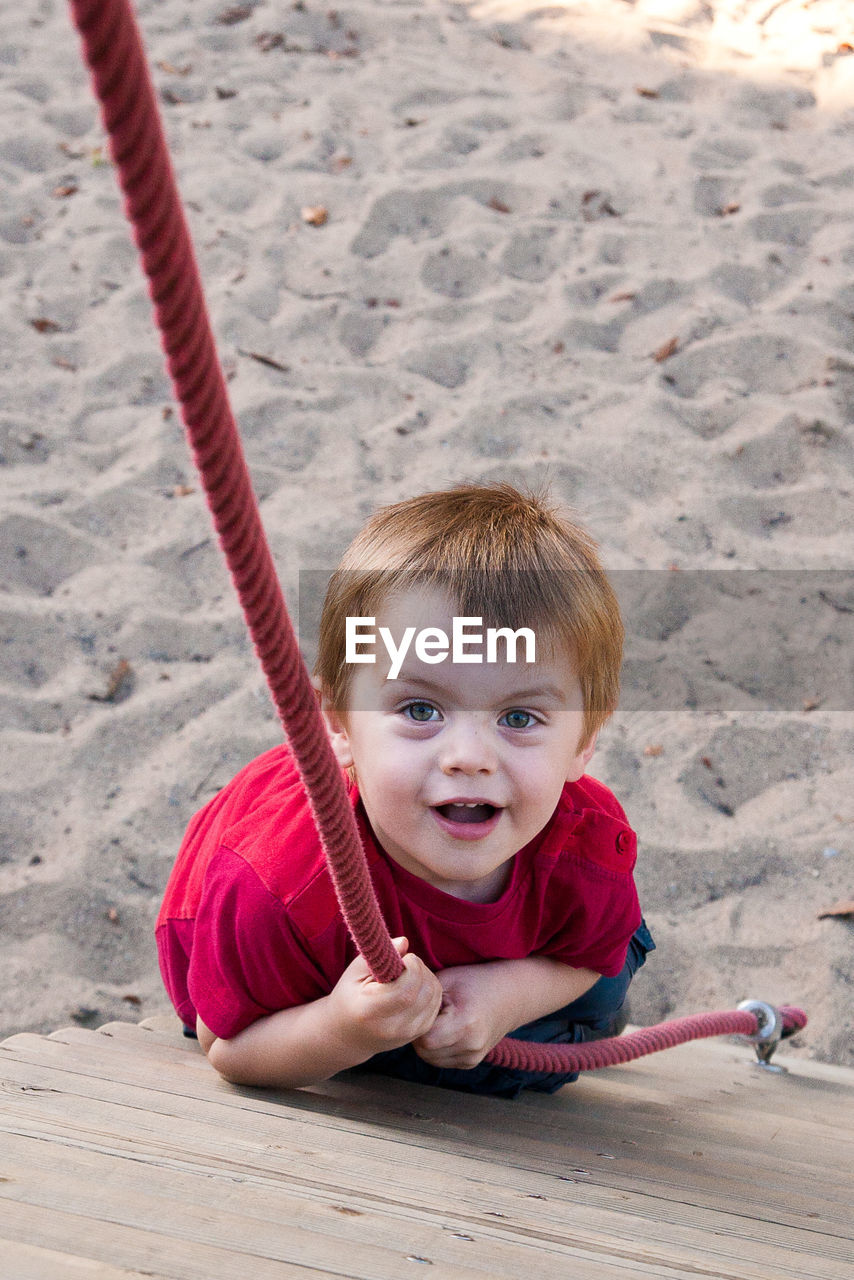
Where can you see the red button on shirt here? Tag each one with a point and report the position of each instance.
(624, 842)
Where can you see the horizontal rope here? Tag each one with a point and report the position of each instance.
(526, 1056)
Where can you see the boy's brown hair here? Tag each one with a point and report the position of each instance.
(510, 558)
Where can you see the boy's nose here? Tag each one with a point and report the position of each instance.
(465, 748)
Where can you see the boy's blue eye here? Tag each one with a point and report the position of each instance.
(421, 712)
(518, 719)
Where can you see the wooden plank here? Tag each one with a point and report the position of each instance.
(801, 1099)
(137, 1250)
(30, 1262)
(376, 1242)
(704, 1071)
(299, 1105)
(812, 1203)
(248, 1216)
(129, 1199)
(548, 1230)
(711, 1073)
(166, 1025)
(728, 1055)
(592, 1141)
(159, 1030)
(721, 1232)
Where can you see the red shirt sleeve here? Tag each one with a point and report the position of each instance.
(247, 960)
(591, 899)
(598, 930)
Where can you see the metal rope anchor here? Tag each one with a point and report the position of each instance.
(768, 1034)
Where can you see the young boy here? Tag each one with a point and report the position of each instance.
(503, 873)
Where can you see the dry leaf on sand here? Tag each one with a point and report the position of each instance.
(118, 684)
(843, 909)
(664, 353)
(315, 214)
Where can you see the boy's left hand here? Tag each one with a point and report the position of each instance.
(484, 1002)
(470, 1020)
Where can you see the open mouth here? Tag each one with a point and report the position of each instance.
(466, 814)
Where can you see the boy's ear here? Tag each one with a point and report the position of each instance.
(579, 764)
(337, 730)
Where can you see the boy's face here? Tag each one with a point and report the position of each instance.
(503, 737)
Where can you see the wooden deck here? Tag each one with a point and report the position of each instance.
(122, 1154)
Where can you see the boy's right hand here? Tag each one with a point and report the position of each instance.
(385, 1015)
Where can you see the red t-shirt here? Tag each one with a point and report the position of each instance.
(250, 922)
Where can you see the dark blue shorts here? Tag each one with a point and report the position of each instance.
(590, 1017)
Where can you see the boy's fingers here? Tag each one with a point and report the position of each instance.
(416, 971)
(359, 969)
(437, 1035)
(434, 1040)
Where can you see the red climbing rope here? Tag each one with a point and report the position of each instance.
(113, 49)
(525, 1056)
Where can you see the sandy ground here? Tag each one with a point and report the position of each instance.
(604, 244)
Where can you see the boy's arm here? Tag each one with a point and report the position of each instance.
(287, 1049)
(311, 1042)
(484, 1002)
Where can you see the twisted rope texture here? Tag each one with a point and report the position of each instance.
(525, 1056)
(113, 49)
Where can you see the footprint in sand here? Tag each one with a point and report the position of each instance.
(360, 330)
(138, 378)
(422, 215)
(22, 221)
(20, 445)
(36, 556)
(293, 450)
(721, 152)
(748, 284)
(819, 511)
(415, 215)
(714, 194)
(760, 107)
(447, 364)
(780, 194)
(34, 653)
(456, 275)
(789, 226)
(530, 256)
(34, 151)
(773, 459)
(502, 430)
(738, 762)
(756, 362)
(840, 315)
